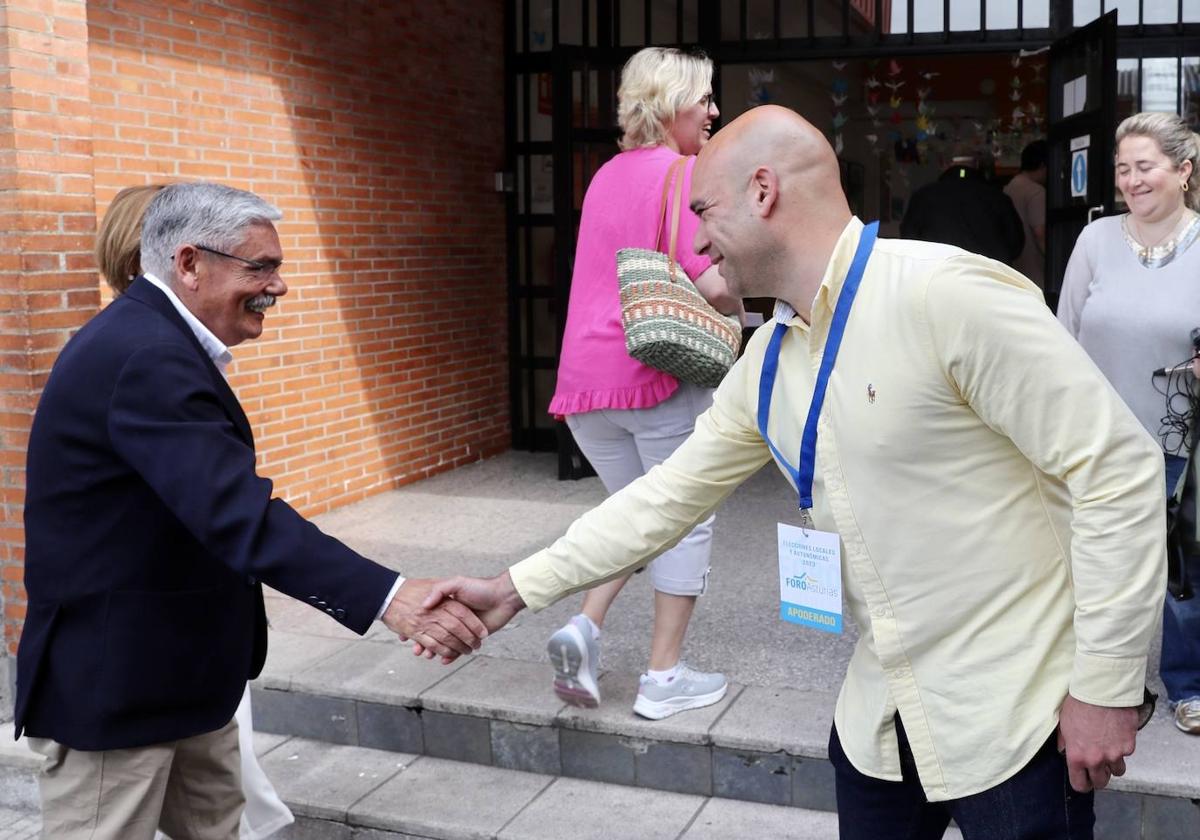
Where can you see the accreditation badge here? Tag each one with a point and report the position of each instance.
(810, 578)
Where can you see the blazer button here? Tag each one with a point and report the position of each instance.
(312, 599)
(329, 611)
(321, 603)
(339, 614)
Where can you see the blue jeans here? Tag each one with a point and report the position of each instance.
(1180, 664)
(1037, 803)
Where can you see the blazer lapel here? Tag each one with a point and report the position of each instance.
(144, 291)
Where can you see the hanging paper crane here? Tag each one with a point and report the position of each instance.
(894, 86)
(929, 75)
(838, 65)
(922, 93)
(894, 68)
(895, 102)
(871, 82)
(839, 99)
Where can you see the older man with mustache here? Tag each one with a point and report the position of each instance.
(149, 536)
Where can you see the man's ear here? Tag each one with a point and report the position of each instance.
(764, 186)
(187, 264)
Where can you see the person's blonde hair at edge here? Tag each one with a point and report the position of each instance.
(656, 83)
(1174, 138)
(119, 240)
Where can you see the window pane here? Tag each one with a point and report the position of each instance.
(570, 23)
(964, 15)
(999, 16)
(731, 21)
(760, 19)
(541, 184)
(633, 23)
(519, 19)
(1160, 84)
(793, 19)
(543, 390)
(541, 20)
(691, 26)
(1037, 14)
(1128, 87)
(662, 22)
(1085, 11)
(1160, 11)
(1191, 11)
(520, 81)
(828, 18)
(1127, 11)
(1191, 91)
(927, 15)
(541, 268)
(541, 100)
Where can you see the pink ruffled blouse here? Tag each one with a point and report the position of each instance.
(619, 211)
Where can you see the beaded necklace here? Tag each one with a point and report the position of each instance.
(1156, 256)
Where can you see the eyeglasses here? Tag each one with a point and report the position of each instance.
(264, 266)
(706, 100)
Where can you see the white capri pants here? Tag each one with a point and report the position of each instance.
(623, 444)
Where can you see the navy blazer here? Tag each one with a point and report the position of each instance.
(147, 532)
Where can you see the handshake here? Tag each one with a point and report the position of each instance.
(451, 616)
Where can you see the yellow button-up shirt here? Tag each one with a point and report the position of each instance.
(1000, 510)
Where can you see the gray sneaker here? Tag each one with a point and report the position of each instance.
(575, 656)
(688, 690)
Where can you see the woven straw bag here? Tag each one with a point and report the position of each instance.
(668, 323)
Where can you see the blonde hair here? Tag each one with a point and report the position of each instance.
(118, 242)
(656, 83)
(1178, 142)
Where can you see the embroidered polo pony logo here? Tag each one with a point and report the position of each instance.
(870, 393)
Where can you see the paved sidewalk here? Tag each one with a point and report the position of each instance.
(19, 825)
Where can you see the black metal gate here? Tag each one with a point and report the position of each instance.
(563, 60)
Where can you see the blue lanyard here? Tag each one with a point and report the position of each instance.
(766, 383)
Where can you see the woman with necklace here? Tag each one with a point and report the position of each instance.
(1131, 296)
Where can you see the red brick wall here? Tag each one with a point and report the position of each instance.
(47, 218)
(374, 127)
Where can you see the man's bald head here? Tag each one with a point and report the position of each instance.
(768, 191)
(782, 140)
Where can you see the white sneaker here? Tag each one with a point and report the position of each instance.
(688, 689)
(575, 656)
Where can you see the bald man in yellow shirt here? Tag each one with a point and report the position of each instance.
(970, 488)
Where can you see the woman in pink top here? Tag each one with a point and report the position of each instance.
(625, 416)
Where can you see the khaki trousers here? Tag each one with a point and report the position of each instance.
(192, 788)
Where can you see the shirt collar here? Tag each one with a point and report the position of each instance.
(831, 281)
(213, 346)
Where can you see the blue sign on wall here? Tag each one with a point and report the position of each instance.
(1079, 176)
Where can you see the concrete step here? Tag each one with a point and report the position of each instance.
(354, 793)
(758, 745)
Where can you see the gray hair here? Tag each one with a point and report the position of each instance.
(198, 214)
(1178, 142)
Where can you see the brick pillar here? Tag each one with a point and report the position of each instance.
(48, 283)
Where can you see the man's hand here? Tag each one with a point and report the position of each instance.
(494, 599)
(1096, 740)
(447, 629)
